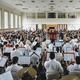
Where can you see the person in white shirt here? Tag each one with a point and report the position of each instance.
(27, 46)
(53, 68)
(14, 68)
(43, 45)
(21, 44)
(75, 68)
(28, 42)
(34, 43)
(67, 47)
(16, 52)
(51, 47)
(70, 67)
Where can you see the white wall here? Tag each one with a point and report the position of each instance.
(73, 24)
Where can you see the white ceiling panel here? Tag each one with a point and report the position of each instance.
(45, 5)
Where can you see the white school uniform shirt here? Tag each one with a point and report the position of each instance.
(70, 67)
(28, 47)
(28, 42)
(21, 44)
(50, 47)
(53, 65)
(67, 47)
(74, 68)
(15, 66)
(34, 43)
(74, 42)
(16, 52)
(48, 41)
(43, 45)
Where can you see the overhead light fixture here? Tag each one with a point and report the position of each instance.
(71, 1)
(51, 1)
(32, 1)
(77, 8)
(19, 4)
(42, 1)
(61, 1)
(25, 8)
(23, 1)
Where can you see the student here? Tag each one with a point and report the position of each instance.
(67, 47)
(75, 68)
(14, 68)
(15, 52)
(53, 68)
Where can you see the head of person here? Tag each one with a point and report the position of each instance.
(16, 46)
(27, 76)
(52, 55)
(15, 60)
(77, 59)
(75, 36)
(44, 39)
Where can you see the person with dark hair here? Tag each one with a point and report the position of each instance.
(75, 68)
(14, 68)
(15, 60)
(51, 46)
(26, 76)
(15, 52)
(16, 46)
(53, 68)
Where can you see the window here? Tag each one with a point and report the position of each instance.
(51, 15)
(0, 19)
(61, 15)
(5, 19)
(16, 21)
(41, 15)
(11, 19)
(19, 21)
(31, 15)
(71, 15)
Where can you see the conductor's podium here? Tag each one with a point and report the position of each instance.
(32, 72)
(70, 77)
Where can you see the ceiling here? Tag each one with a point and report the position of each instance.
(45, 5)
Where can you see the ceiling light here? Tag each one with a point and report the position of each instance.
(32, 1)
(19, 4)
(71, 1)
(61, 1)
(77, 8)
(51, 1)
(25, 8)
(23, 1)
(42, 1)
(51, 6)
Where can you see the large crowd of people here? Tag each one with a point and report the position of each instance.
(49, 58)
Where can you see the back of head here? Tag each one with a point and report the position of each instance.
(15, 60)
(26, 76)
(16, 46)
(52, 55)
